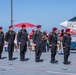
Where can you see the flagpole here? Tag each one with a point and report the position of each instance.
(11, 12)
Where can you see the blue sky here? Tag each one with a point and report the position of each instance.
(48, 13)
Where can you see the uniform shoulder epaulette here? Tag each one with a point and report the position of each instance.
(2, 32)
(20, 30)
(41, 32)
(26, 31)
(37, 32)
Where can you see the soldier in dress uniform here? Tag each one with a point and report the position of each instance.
(22, 39)
(9, 38)
(1, 42)
(37, 42)
(66, 45)
(53, 44)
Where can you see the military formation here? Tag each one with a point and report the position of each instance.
(39, 39)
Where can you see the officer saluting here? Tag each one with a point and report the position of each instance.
(1, 42)
(22, 40)
(37, 41)
(53, 45)
(66, 45)
(9, 38)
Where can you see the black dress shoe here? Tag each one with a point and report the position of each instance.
(10, 59)
(24, 59)
(54, 62)
(21, 59)
(36, 60)
(41, 60)
(51, 61)
(67, 63)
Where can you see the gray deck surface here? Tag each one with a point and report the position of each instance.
(30, 67)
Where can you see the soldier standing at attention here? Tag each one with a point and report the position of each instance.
(53, 45)
(37, 42)
(22, 39)
(1, 42)
(9, 38)
(66, 45)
